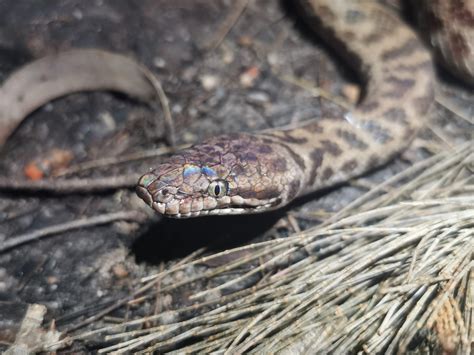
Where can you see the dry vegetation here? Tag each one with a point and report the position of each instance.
(391, 271)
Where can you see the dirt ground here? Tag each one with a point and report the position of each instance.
(216, 82)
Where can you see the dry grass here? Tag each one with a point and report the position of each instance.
(392, 270)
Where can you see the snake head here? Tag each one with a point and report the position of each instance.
(224, 175)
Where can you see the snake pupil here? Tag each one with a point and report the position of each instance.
(218, 188)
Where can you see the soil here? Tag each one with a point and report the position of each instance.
(237, 84)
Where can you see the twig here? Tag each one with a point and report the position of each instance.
(441, 100)
(74, 185)
(169, 125)
(228, 23)
(64, 227)
(316, 91)
(126, 300)
(99, 163)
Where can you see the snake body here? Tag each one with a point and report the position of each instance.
(449, 26)
(249, 173)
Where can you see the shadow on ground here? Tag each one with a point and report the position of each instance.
(175, 238)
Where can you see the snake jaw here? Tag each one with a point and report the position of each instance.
(229, 210)
(176, 203)
(206, 206)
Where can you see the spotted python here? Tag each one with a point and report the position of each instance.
(249, 173)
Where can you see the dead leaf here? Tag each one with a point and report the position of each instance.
(54, 76)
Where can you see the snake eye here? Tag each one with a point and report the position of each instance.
(218, 188)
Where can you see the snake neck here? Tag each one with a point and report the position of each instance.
(398, 75)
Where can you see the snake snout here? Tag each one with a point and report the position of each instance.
(142, 188)
(144, 195)
(159, 195)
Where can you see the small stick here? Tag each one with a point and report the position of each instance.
(104, 162)
(63, 227)
(75, 185)
(228, 23)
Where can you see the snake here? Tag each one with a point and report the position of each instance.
(243, 173)
(449, 28)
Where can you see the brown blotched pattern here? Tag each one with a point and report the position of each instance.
(449, 28)
(256, 173)
(249, 173)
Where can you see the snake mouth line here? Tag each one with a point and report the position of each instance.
(220, 211)
(232, 208)
(228, 210)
